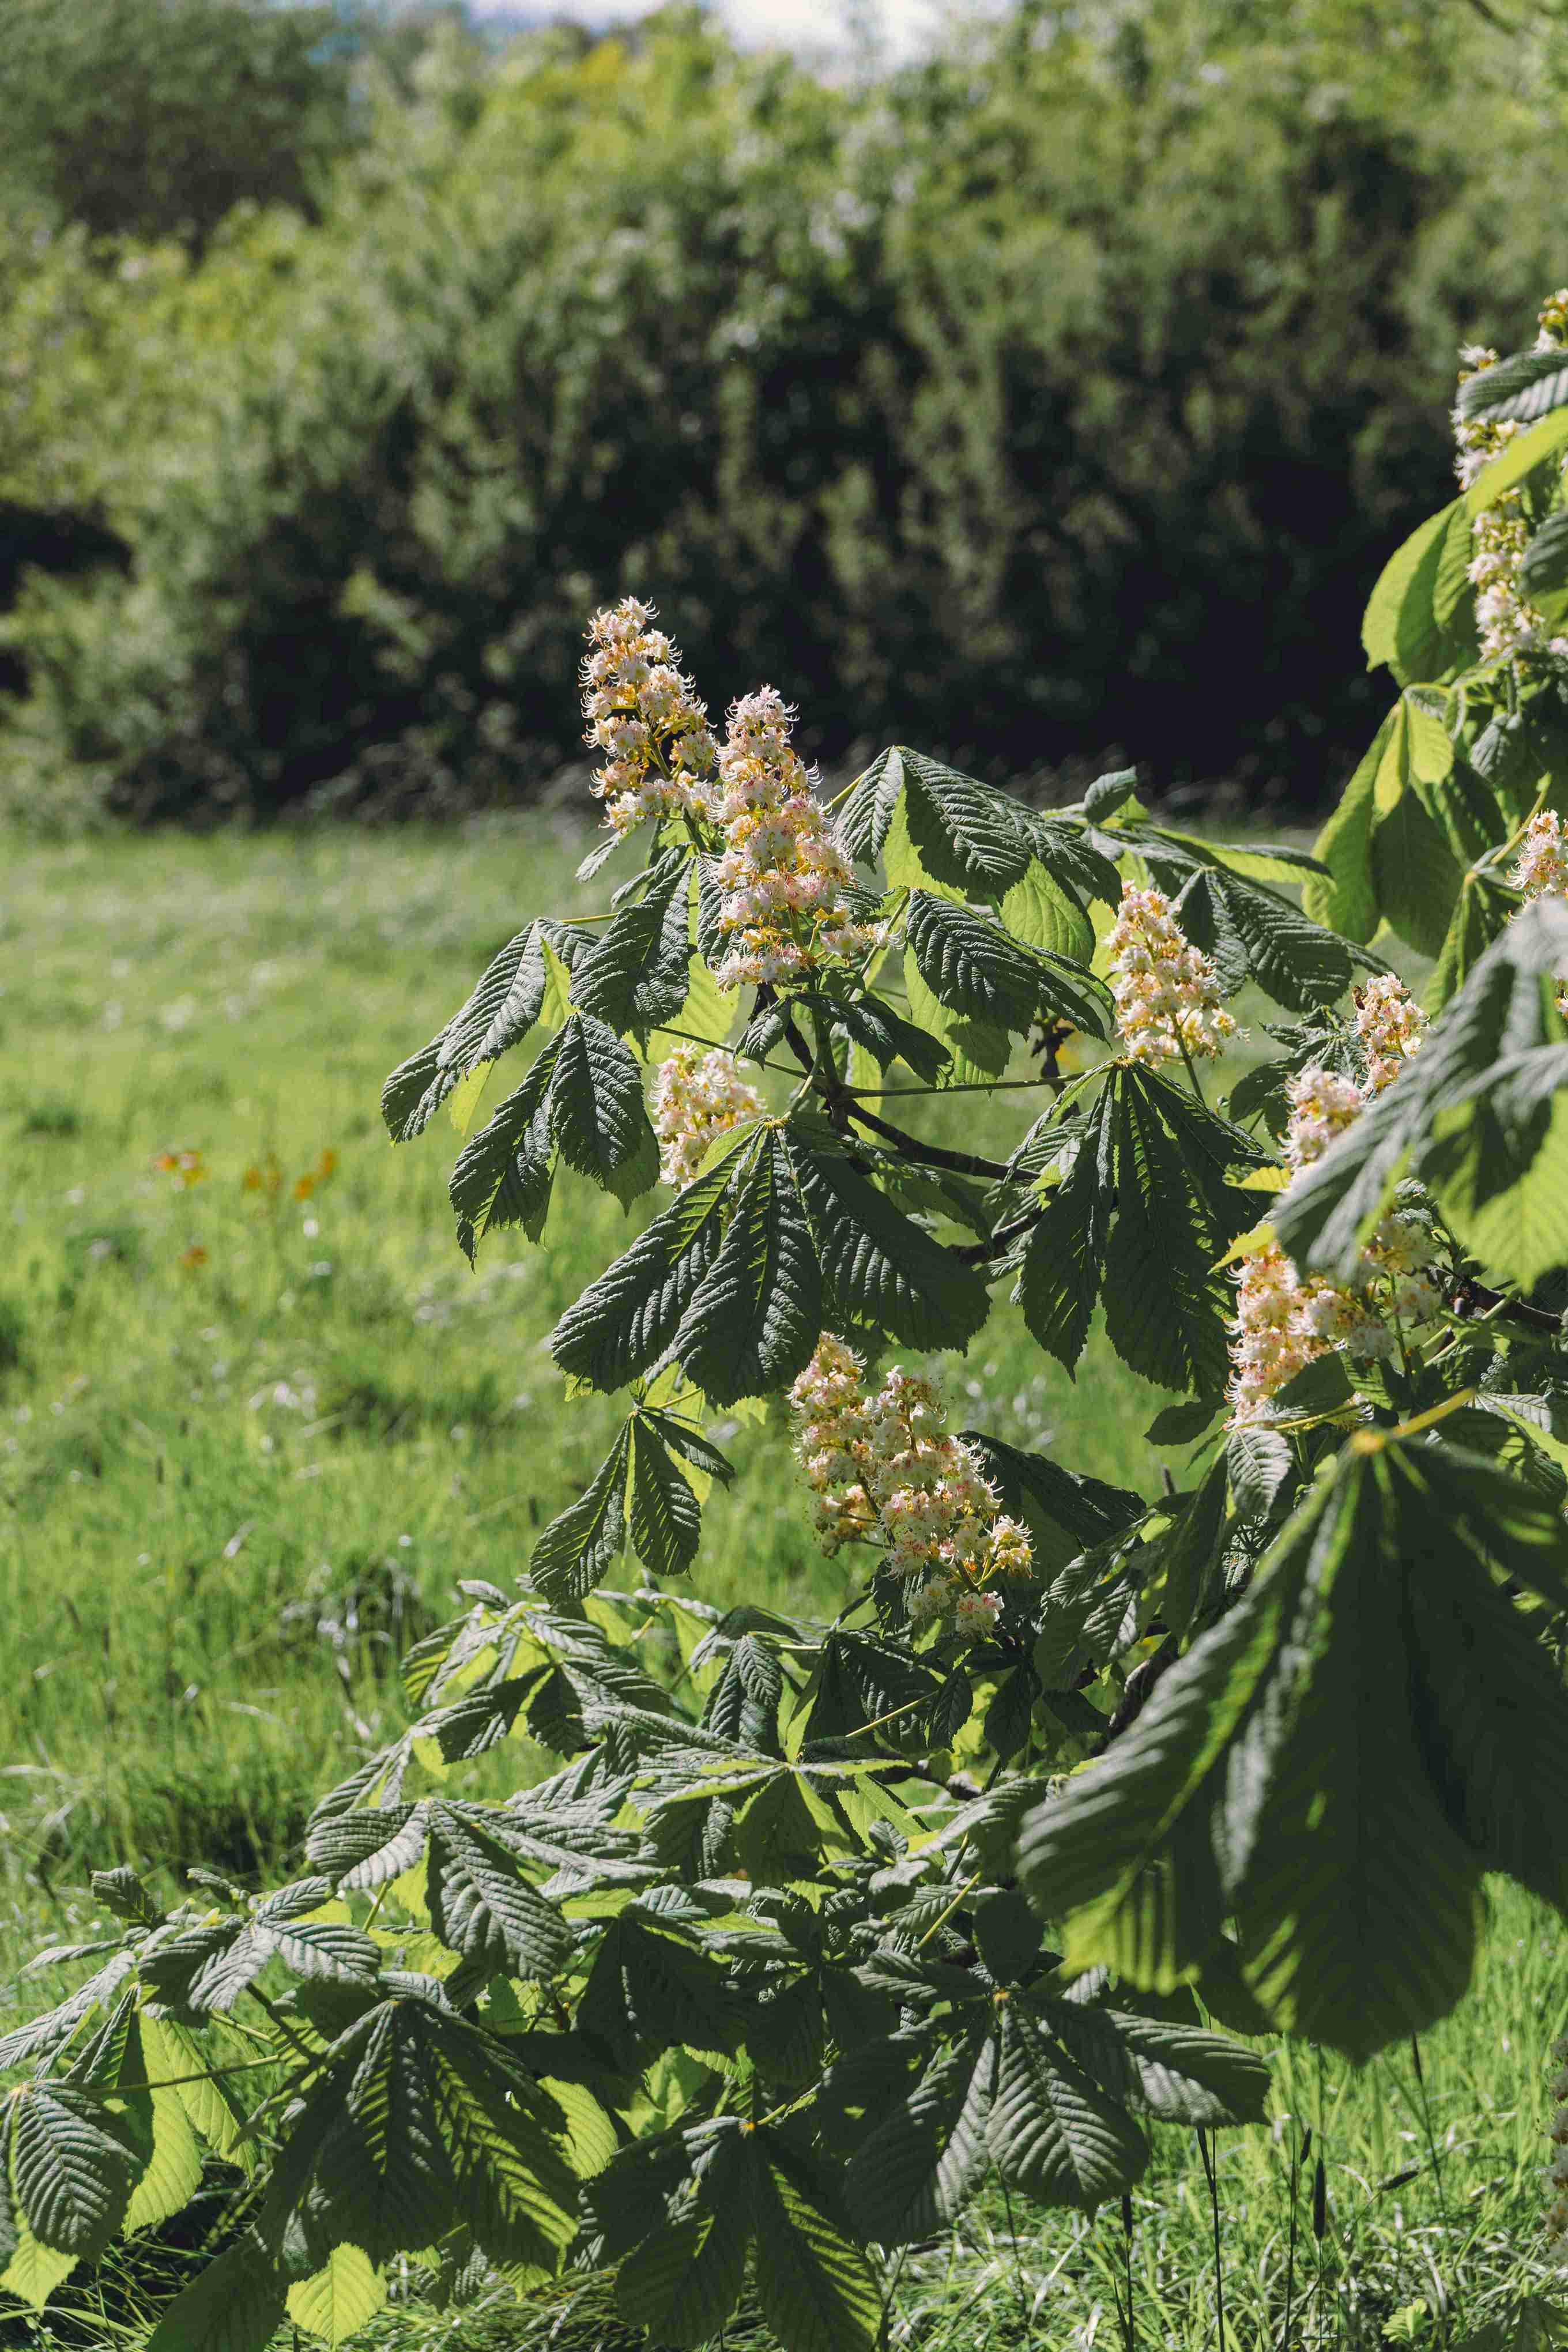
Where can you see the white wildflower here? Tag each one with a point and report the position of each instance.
(647, 719)
(1541, 871)
(697, 1097)
(1391, 1026)
(883, 1467)
(1509, 623)
(784, 878)
(1167, 991)
(1322, 1105)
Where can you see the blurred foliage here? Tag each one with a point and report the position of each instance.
(1063, 391)
(153, 118)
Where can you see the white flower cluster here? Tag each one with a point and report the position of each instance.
(1167, 993)
(1391, 1026)
(1282, 1322)
(884, 1468)
(646, 717)
(783, 874)
(1542, 868)
(1322, 1105)
(1556, 2223)
(1508, 623)
(697, 1097)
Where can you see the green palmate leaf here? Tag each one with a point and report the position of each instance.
(121, 1892)
(1009, 1717)
(1472, 1116)
(1110, 792)
(596, 1110)
(971, 966)
(514, 2187)
(343, 2295)
(502, 1175)
(417, 2124)
(862, 1680)
(685, 2278)
(499, 1013)
(483, 1908)
(1080, 1511)
(1042, 914)
(929, 2153)
(1052, 2132)
(888, 1038)
(966, 834)
(1536, 447)
(1413, 872)
(11, 2222)
(1346, 902)
(575, 1552)
(1058, 1284)
(756, 1315)
(1087, 1615)
(1517, 389)
(1419, 619)
(206, 1969)
(683, 2282)
(817, 2291)
(636, 976)
(646, 1988)
(627, 1320)
(35, 2271)
(1063, 846)
(1544, 577)
(1476, 920)
(743, 1704)
(785, 1829)
(1495, 1701)
(76, 2158)
(880, 1270)
(666, 1518)
(976, 970)
(1361, 1907)
(1322, 1766)
(1166, 1307)
(699, 1452)
(1260, 1465)
(477, 1722)
(174, 2054)
(235, 2305)
(1180, 2073)
(1293, 959)
(1509, 756)
(976, 1050)
(173, 2173)
(1466, 809)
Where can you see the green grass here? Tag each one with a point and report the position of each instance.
(249, 1443)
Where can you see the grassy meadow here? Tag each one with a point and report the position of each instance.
(258, 1417)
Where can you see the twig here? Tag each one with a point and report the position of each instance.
(981, 1252)
(1512, 1310)
(909, 1146)
(1135, 1698)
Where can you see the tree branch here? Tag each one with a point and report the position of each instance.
(909, 1146)
(981, 1252)
(1512, 1310)
(1139, 1683)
